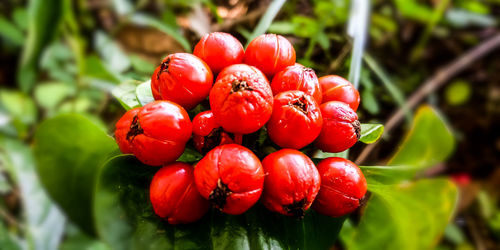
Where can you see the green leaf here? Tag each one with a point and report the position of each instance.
(95, 68)
(428, 142)
(49, 95)
(266, 19)
(10, 32)
(388, 175)
(69, 151)
(125, 93)
(43, 222)
(7, 240)
(18, 105)
(144, 93)
(405, 216)
(44, 19)
(190, 155)
(114, 57)
(142, 65)
(75, 239)
(125, 219)
(370, 133)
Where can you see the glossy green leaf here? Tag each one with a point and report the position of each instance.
(125, 93)
(69, 151)
(125, 219)
(43, 222)
(370, 133)
(44, 19)
(405, 216)
(429, 141)
(144, 93)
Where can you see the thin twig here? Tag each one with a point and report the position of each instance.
(441, 77)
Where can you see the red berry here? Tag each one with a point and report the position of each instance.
(157, 133)
(174, 196)
(219, 50)
(297, 77)
(184, 79)
(231, 177)
(270, 53)
(292, 182)
(336, 88)
(241, 99)
(155, 84)
(296, 120)
(342, 186)
(341, 128)
(122, 128)
(207, 134)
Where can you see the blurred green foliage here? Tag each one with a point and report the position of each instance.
(68, 62)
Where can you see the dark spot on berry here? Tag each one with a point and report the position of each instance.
(135, 129)
(238, 85)
(296, 209)
(308, 70)
(163, 68)
(212, 140)
(357, 128)
(300, 104)
(219, 195)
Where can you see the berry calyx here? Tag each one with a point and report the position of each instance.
(296, 120)
(231, 177)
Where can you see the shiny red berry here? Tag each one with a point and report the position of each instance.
(342, 186)
(184, 79)
(122, 129)
(219, 50)
(336, 88)
(174, 196)
(231, 177)
(157, 133)
(241, 99)
(296, 120)
(207, 134)
(270, 53)
(155, 84)
(341, 128)
(292, 182)
(297, 77)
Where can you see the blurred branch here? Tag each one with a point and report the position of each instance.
(440, 78)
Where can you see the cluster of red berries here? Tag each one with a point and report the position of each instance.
(297, 109)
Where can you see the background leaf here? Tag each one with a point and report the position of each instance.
(144, 93)
(126, 94)
(44, 19)
(125, 219)
(69, 151)
(370, 133)
(428, 142)
(44, 222)
(413, 216)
